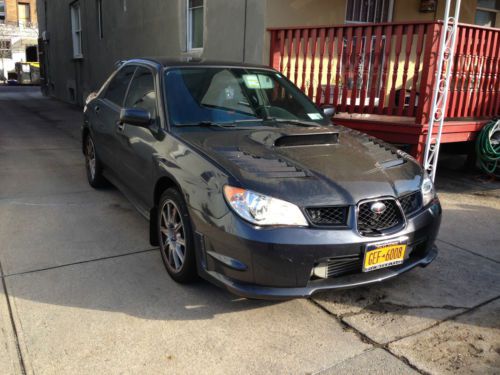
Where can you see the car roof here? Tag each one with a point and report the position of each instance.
(168, 62)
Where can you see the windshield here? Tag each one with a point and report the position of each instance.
(233, 95)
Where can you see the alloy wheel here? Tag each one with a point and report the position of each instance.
(173, 237)
(91, 160)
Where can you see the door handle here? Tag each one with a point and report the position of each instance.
(97, 109)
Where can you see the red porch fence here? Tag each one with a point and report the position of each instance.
(381, 76)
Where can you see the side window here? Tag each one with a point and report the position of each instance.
(142, 92)
(118, 85)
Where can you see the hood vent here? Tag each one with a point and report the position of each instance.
(262, 167)
(315, 139)
(386, 156)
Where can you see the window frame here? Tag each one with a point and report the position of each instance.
(496, 12)
(390, 12)
(104, 92)
(28, 21)
(7, 50)
(76, 33)
(155, 120)
(189, 41)
(4, 13)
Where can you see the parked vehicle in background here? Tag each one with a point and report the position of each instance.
(246, 182)
(28, 73)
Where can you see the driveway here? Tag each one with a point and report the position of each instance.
(84, 292)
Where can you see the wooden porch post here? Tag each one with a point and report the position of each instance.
(429, 73)
(275, 55)
(429, 76)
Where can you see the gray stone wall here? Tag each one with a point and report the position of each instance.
(234, 30)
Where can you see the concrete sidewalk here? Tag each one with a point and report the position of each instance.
(83, 291)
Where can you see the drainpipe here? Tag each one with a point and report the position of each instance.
(245, 31)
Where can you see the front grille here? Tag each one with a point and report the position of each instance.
(351, 264)
(370, 223)
(411, 203)
(344, 265)
(327, 216)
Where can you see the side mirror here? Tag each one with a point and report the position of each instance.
(135, 116)
(328, 110)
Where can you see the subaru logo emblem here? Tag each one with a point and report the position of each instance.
(378, 208)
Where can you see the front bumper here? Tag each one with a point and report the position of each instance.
(277, 263)
(341, 282)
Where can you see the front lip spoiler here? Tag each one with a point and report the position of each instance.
(343, 282)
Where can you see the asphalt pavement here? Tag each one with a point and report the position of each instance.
(84, 292)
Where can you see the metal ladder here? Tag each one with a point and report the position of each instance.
(440, 94)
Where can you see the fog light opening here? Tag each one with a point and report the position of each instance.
(321, 270)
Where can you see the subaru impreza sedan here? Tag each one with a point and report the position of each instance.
(248, 184)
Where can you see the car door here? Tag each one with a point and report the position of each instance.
(136, 143)
(106, 113)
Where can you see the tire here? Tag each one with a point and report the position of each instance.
(175, 237)
(93, 165)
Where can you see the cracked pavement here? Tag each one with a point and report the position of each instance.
(83, 292)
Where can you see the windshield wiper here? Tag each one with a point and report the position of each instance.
(210, 123)
(305, 123)
(225, 125)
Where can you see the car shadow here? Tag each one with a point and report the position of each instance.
(137, 284)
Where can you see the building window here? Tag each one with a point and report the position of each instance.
(5, 49)
(76, 30)
(23, 14)
(194, 24)
(488, 13)
(369, 11)
(99, 18)
(2, 11)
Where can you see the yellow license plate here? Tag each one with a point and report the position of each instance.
(385, 254)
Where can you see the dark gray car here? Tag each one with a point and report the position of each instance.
(246, 182)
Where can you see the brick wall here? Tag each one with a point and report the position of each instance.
(11, 10)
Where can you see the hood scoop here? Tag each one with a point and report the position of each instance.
(278, 139)
(314, 139)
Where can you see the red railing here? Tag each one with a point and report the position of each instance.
(390, 68)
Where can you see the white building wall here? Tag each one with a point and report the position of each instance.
(20, 37)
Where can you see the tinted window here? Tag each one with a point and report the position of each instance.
(118, 85)
(234, 94)
(142, 92)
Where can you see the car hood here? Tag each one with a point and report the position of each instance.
(326, 165)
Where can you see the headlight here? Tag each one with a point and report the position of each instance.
(428, 192)
(260, 209)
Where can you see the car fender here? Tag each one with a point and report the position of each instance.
(199, 179)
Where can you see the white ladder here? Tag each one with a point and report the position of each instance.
(440, 94)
